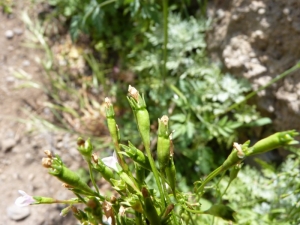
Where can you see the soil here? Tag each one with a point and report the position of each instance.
(258, 40)
(20, 151)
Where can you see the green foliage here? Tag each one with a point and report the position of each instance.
(6, 6)
(267, 197)
(195, 91)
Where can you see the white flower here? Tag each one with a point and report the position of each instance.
(24, 200)
(112, 162)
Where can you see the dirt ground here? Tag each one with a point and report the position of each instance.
(20, 151)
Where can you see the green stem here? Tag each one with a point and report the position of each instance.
(81, 198)
(155, 173)
(191, 218)
(92, 178)
(210, 177)
(165, 53)
(285, 73)
(169, 200)
(106, 3)
(138, 218)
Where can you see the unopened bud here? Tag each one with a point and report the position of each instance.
(113, 199)
(133, 92)
(48, 153)
(107, 102)
(80, 142)
(47, 162)
(165, 120)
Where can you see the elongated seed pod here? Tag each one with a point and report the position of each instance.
(143, 122)
(71, 178)
(139, 173)
(163, 151)
(170, 170)
(150, 210)
(137, 156)
(231, 160)
(104, 170)
(274, 141)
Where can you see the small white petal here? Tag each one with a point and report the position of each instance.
(24, 200)
(111, 162)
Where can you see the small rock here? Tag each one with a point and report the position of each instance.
(8, 144)
(9, 34)
(26, 63)
(31, 177)
(17, 213)
(18, 31)
(286, 11)
(261, 11)
(10, 48)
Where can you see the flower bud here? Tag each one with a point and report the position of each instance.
(85, 148)
(134, 202)
(118, 185)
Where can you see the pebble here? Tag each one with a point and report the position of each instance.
(8, 144)
(17, 213)
(18, 31)
(9, 34)
(26, 63)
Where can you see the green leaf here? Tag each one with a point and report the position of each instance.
(223, 211)
(178, 117)
(260, 122)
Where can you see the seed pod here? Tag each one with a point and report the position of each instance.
(150, 210)
(163, 152)
(234, 171)
(231, 160)
(68, 176)
(114, 131)
(138, 105)
(171, 175)
(104, 170)
(143, 121)
(137, 156)
(274, 141)
(163, 142)
(139, 174)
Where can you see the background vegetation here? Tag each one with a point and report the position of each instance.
(159, 47)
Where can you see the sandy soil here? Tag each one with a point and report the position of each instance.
(21, 152)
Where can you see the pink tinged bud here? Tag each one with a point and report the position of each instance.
(112, 162)
(24, 200)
